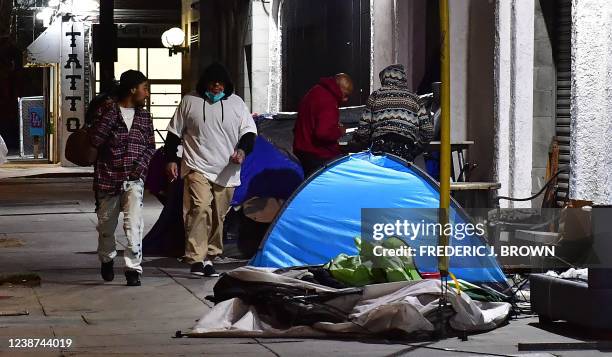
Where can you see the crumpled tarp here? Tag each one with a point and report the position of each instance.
(571, 273)
(403, 306)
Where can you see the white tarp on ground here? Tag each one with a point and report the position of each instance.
(571, 273)
(381, 307)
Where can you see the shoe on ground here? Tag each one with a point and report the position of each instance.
(202, 269)
(107, 272)
(132, 277)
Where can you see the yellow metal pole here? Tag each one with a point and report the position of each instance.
(445, 148)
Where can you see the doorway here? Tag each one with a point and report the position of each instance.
(322, 38)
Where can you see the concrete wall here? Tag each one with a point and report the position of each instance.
(514, 41)
(260, 53)
(591, 105)
(384, 38)
(544, 85)
(459, 32)
(256, 89)
(275, 79)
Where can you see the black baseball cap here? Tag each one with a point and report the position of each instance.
(131, 79)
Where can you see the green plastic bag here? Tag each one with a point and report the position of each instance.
(398, 268)
(349, 270)
(366, 268)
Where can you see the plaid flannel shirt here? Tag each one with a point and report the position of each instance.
(122, 155)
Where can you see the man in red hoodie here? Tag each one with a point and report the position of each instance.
(318, 128)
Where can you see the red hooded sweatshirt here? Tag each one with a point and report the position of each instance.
(317, 127)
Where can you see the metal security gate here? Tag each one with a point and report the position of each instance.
(32, 128)
(563, 57)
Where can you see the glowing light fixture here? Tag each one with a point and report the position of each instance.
(173, 40)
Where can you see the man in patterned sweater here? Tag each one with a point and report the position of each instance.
(394, 120)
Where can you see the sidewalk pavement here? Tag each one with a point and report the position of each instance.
(47, 226)
(15, 169)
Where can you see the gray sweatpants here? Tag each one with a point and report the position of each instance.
(109, 206)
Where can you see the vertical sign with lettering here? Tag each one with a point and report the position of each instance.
(72, 69)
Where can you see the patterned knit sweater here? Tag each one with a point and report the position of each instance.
(394, 113)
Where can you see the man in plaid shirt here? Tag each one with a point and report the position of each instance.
(123, 134)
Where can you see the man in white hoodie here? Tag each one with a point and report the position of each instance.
(217, 131)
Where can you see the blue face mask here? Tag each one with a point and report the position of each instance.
(215, 97)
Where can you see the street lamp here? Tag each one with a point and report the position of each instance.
(173, 40)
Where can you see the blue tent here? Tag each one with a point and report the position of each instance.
(323, 217)
(267, 172)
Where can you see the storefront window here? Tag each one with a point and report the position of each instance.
(164, 73)
(127, 59)
(162, 66)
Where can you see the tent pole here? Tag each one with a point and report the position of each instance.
(445, 148)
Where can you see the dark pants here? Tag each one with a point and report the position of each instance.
(310, 163)
(396, 145)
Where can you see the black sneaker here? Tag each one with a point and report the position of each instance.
(132, 277)
(200, 269)
(107, 272)
(197, 269)
(209, 271)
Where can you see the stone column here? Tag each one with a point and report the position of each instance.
(275, 57)
(383, 35)
(261, 18)
(591, 105)
(514, 36)
(459, 47)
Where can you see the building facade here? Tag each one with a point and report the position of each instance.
(67, 50)
(523, 72)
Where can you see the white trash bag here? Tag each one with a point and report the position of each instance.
(3, 151)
